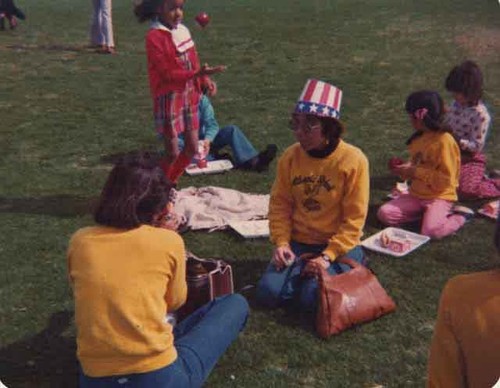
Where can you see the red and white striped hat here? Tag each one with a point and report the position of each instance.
(320, 99)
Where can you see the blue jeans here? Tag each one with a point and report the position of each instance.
(233, 137)
(200, 340)
(277, 287)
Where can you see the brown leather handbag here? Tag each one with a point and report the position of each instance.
(349, 298)
(206, 279)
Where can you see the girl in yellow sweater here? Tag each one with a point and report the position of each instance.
(319, 201)
(433, 170)
(126, 274)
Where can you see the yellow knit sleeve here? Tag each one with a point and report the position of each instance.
(355, 209)
(441, 173)
(446, 362)
(281, 204)
(176, 293)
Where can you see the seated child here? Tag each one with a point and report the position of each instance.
(469, 120)
(244, 154)
(433, 171)
(9, 11)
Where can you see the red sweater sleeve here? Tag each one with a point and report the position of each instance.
(162, 61)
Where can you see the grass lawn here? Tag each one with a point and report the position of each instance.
(64, 112)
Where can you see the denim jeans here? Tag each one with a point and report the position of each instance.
(277, 287)
(200, 340)
(234, 137)
(101, 28)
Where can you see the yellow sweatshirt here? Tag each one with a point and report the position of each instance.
(124, 282)
(437, 159)
(320, 201)
(466, 342)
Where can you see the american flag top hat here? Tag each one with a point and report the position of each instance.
(320, 99)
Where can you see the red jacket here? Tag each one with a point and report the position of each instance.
(166, 72)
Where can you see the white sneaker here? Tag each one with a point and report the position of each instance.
(466, 212)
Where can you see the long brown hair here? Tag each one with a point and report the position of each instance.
(467, 79)
(135, 192)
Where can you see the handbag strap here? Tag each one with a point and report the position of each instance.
(350, 262)
(324, 274)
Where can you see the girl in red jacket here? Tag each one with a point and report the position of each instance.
(175, 79)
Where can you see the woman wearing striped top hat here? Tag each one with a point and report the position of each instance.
(319, 201)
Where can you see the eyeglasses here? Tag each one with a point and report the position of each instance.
(307, 128)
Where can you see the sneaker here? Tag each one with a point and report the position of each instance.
(495, 174)
(466, 212)
(266, 157)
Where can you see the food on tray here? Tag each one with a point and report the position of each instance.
(395, 242)
(492, 208)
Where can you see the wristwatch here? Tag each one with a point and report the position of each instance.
(325, 257)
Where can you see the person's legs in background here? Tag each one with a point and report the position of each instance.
(439, 220)
(233, 137)
(473, 183)
(106, 22)
(96, 37)
(185, 116)
(401, 210)
(244, 153)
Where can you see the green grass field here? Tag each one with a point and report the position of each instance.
(65, 111)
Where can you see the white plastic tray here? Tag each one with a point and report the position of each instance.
(213, 167)
(373, 242)
(251, 229)
(490, 210)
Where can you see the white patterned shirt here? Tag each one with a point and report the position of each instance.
(469, 124)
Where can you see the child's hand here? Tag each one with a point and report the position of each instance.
(209, 70)
(211, 87)
(206, 146)
(313, 266)
(405, 170)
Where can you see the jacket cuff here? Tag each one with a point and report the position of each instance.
(282, 243)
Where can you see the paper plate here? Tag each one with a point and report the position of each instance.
(251, 229)
(416, 240)
(213, 167)
(399, 189)
(490, 209)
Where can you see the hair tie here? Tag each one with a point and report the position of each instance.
(420, 113)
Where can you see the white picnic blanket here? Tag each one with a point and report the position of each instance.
(214, 207)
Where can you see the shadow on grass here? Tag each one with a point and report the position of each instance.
(114, 158)
(57, 205)
(47, 359)
(383, 182)
(51, 47)
(247, 273)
